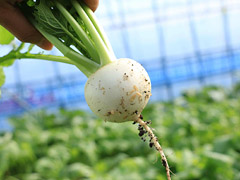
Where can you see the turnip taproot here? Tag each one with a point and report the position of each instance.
(117, 90)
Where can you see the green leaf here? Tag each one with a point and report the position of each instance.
(54, 23)
(48, 21)
(30, 3)
(7, 63)
(2, 78)
(5, 36)
(219, 157)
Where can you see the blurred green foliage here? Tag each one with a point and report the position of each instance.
(5, 39)
(199, 131)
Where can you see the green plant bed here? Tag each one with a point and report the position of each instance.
(199, 132)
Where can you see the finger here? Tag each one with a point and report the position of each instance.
(13, 20)
(92, 4)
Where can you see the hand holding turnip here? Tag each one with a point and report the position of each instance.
(13, 19)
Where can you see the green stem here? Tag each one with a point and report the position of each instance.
(17, 55)
(30, 47)
(91, 66)
(87, 66)
(79, 31)
(61, 59)
(20, 47)
(104, 53)
(73, 38)
(97, 26)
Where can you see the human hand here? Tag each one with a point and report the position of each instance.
(14, 21)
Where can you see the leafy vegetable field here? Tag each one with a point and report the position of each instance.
(199, 132)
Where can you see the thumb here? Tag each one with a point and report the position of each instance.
(92, 4)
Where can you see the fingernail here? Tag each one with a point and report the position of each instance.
(45, 44)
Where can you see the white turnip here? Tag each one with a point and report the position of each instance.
(118, 91)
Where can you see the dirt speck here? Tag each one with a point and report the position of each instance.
(122, 103)
(125, 77)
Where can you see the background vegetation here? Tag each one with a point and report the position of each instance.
(199, 132)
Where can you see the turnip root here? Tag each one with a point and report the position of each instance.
(118, 91)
